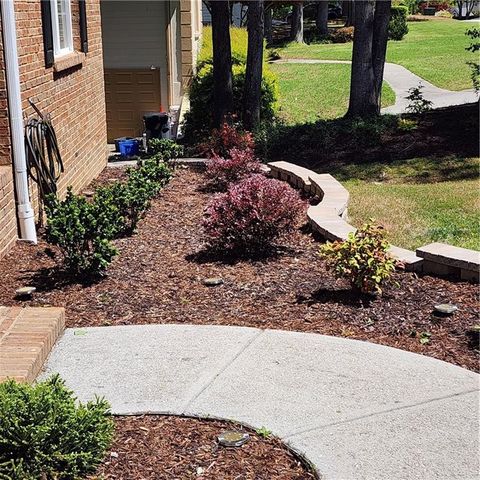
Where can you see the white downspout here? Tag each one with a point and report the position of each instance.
(26, 215)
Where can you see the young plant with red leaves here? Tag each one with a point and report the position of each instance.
(251, 215)
(221, 172)
(224, 139)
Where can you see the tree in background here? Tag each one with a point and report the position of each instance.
(296, 32)
(368, 58)
(321, 20)
(253, 74)
(222, 61)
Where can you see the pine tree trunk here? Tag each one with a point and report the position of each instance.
(268, 32)
(222, 62)
(296, 32)
(322, 17)
(362, 85)
(253, 74)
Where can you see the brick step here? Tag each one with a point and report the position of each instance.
(26, 337)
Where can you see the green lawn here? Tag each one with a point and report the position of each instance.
(434, 50)
(309, 92)
(415, 214)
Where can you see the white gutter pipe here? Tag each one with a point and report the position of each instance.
(25, 212)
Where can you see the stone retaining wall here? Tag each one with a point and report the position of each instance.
(329, 219)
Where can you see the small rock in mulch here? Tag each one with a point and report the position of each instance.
(155, 447)
(213, 282)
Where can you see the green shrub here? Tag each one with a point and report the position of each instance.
(198, 121)
(397, 27)
(45, 434)
(82, 230)
(164, 149)
(127, 202)
(238, 41)
(342, 35)
(362, 259)
(417, 103)
(474, 47)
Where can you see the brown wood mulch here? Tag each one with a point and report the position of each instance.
(165, 447)
(158, 278)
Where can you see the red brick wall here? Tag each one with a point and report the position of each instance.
(73, 97)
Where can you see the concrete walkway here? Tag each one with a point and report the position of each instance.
(401, 80)
(357, 410)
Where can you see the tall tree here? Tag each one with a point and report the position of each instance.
(253, 74)
(368, 58)
(222, 61)
(296, 32)
(267, 24)
(321, 20)
(348, 10)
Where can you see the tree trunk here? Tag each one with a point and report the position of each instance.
(322, 17)
(296, 32)
(362, 83)
(348, 10)
(380, 40)
(368, 58)
(253, 74)
(222, 62)
(268, 24)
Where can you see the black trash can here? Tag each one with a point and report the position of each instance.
(157, 124)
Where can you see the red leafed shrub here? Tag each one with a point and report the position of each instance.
(342, 35)
(221, 172)
(222, 140)
(251, 214)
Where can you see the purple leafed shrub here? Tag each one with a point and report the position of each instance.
(221, 172)
(251, 214)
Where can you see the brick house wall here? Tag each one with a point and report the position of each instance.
(72, 92)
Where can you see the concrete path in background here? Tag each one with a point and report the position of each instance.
(357, 410)
(401, 80)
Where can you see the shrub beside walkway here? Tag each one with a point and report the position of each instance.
(356, 409)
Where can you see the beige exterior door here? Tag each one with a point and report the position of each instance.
(129, 95)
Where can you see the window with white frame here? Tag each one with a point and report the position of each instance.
(62, 27)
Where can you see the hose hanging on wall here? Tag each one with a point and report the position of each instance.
(43, 155)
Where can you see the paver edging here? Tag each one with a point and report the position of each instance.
(329, 219)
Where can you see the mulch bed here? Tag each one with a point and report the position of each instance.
(158, 278)
(164, 447)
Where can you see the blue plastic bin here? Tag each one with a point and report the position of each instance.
(128, 148)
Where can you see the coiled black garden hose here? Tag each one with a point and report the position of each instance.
(43, 155)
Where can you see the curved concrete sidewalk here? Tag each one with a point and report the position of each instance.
(357, 410)
(401, 80)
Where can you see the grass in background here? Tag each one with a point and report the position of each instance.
(415, 214)
(434, 50)
(308, 92)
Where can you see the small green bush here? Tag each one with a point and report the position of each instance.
(83, 231)
(45, 434)
(127, 202)
(417, 104)
(397, 27)
(198, 121)
(164, 149)
(362, 259)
